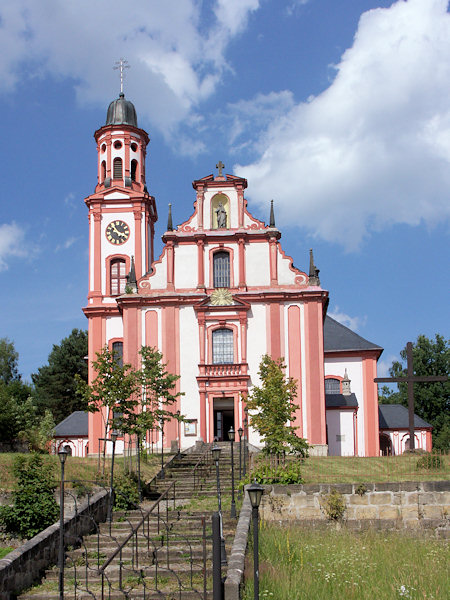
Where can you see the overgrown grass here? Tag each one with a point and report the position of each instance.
(81, 469)
(353, 469)
(298, 563)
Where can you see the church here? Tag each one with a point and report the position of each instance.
(221, 294)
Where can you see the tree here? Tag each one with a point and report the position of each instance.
(115, 388)
(431, 400)
(9, 359)
(55, 383)
(157, 392)
(274, 409)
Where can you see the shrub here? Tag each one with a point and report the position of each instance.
(34, 507)
(429, 462)
(126, 493)
(334, 505)
(286, 474)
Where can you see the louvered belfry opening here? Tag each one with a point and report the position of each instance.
(221, 270)
(117, 168)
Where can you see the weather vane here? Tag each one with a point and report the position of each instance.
(121, 65)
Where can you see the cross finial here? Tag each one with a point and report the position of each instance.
(120, 66)
(220, 166)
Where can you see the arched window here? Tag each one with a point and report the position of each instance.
(103, 171)
(332, 386)
(117, 349)
(118, 277)
(117, 168)
(134, 165)
(221, 270)
(222, 346)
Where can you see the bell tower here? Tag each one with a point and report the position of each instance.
(122, 213)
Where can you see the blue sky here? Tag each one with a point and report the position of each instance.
(338, 110)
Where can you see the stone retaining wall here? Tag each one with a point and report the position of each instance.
(405, 504)
(25, 566)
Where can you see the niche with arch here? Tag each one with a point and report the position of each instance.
(220, 215)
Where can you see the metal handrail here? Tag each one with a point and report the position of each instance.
(135, 529)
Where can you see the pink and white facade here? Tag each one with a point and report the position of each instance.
(222, 294)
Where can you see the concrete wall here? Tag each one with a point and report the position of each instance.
(406, 504)
(25, 565)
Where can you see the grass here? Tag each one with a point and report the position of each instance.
(353, 469)
(4, 551)
(343, 565)
(81, 469)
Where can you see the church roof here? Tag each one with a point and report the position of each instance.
(121, 112)
(338, 338)
(395, 416)
(75, 425)
(340, 400)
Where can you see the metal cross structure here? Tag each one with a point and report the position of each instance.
(220, 166)
(411, 379)
(121, 65)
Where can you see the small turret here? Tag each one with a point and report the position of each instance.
(272, 215)
(346, 391)
(313, 270)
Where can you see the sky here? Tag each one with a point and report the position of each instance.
(338, 110)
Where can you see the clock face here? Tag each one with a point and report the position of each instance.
(117, 232)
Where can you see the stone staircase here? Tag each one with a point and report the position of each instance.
(168, 556)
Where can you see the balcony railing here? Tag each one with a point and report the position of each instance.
(225, 370)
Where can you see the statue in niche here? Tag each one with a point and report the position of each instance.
(221, 216)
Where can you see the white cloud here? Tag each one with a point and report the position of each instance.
(11, 244)
(384, 365)
(67, 244)
(176, 52)
(374, 148)
(353, 323)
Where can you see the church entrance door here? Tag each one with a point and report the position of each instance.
(223, 418)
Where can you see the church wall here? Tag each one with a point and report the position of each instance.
(337, 366)
(158, 279)
(340, 432)
(186, 266)
(114, 328)
(108, 249)
(256, 347)
(189, 359)
(285, 275)
(257, 264)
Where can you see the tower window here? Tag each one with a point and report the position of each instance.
(134, 147)
(117, 349)
(118, 277)
(117, 168)
(332, 386)
(103, 170)
(134, 165)
(117, 145)
(222, 346)
(221, 270)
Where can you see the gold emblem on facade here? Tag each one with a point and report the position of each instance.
(221, 297)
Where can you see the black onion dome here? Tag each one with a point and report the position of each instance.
(121, 112)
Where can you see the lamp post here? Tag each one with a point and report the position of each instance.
(113, 435)
(231, 436)
(240, 431)
(245, 433)
(63, 454)
(161, 473)
(255, 492)
(216, 450)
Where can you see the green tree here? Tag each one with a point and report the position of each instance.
(115, 388)
(431, 400)
(272, 409)
(55, 383)
(33, 506)
(9, 359)
(12, 398)
(157, 393)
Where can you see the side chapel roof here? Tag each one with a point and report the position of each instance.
(75, 425)
(338, 338)
(395, 416)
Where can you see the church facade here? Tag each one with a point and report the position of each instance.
(221, 294)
